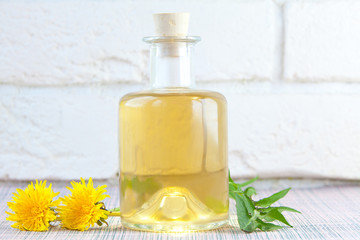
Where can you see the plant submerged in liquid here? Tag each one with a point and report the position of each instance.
(172, 149)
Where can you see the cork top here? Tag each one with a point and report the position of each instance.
(171, 24)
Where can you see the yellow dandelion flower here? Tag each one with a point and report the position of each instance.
(33, 207)
(83, 208)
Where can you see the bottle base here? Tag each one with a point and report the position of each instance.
(173, 227)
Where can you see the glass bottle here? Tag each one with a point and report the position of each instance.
(173, 147)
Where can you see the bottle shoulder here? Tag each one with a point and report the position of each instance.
(174, 92)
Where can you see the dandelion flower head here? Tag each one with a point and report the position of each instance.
(83, 207)
(33, 208)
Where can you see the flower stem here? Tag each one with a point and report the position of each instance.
(115, 214)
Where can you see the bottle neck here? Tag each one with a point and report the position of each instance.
(171, 65)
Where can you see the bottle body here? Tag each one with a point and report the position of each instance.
(173, 160)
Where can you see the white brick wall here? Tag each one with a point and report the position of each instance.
(322, 41)
(284, 66)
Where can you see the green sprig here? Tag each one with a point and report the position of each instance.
(254, 215)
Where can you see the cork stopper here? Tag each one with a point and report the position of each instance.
(171, 24)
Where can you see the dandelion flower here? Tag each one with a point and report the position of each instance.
(83, 208)
(33, 207)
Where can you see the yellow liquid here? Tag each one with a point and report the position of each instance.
(173, 160)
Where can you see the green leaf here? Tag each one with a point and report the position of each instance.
(251, 227)
(245, 214)
(250, 191)
(267, 226)
(117, 209)
(141, 187)
(230, 179)
(248, 182)
(266, 202)
(251, 214)
(244, 207)
(245, 210)
(242, 212)
(275, 214)
(248, 204)
(233, 190)
(99, 223)
(281, 209)
(217, 205)
(236, 187)
(268, 219)
(147, 186)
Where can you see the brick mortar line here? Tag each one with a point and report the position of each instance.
(279, 41)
